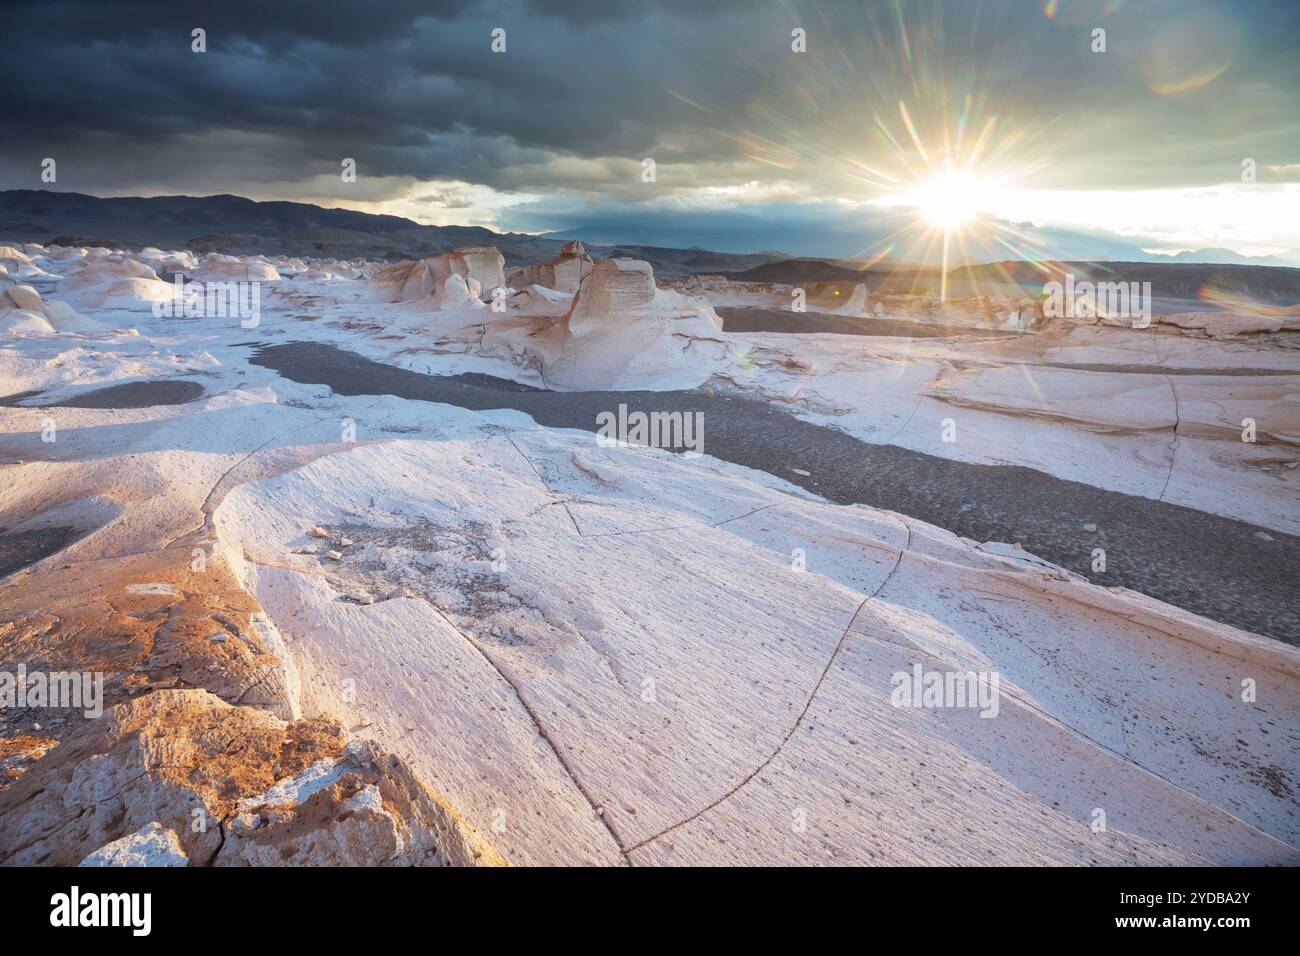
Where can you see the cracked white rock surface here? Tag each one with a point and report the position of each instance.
(643, 645)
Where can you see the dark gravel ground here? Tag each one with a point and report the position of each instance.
(135, 395)
(131, 395)
(783, 320)
(19, 549)
(1214, 566)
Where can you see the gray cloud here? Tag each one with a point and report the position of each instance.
(586, 90)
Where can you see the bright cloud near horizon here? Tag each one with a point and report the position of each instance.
(996, 126)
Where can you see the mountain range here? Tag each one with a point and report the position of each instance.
(239, 226)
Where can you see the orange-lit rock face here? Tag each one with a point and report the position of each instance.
(145, 621)
(236, 785)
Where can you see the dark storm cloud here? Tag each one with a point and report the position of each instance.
(397, 86)
(275, 24)
(586, 90)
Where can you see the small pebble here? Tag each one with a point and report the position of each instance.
(334, 555)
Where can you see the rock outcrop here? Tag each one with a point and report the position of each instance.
(181, 772)
(122, 283)
(1225, 324)
(456, 279)
(237, 268)
(482, 264)
(23, 309)
(837, 297)
(18, 264)
(620, 330)
(152, 845)
(200, 734)
(363, 807)
(564, 274)
(146, 622)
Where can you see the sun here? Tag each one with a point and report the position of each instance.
(950, 200)
(947, 206)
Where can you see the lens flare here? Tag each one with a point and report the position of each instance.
(949, 200)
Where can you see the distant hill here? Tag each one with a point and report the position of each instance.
(1227, 257)
(789, 271)
(238, 226)
(1183, 281)
(1196, 285)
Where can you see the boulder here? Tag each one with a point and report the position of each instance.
(24, 311)
(103, 283)
(152, 845)
(24, 322)
(24, 296)
(361, 808)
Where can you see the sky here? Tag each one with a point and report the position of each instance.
(997, 127)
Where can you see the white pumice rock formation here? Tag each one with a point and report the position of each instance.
(517, 686)
(540, 300)
(115, 283)
(174, 261)
(239, 268)
(291, 265)
(841, 298)
(450, 279)
(679, 572)
(17, 264)
(620, 330)
(483, 264)
(564, 273)
(24, 310)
